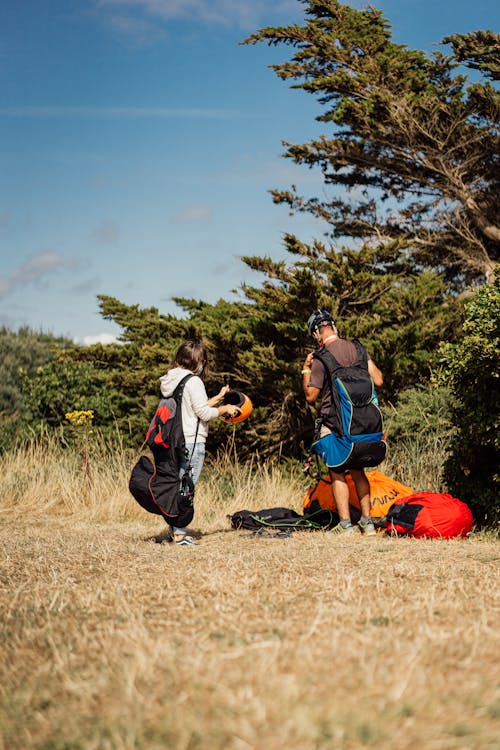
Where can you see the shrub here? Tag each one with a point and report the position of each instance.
(420, 411)
(471, 470)
(419, 433)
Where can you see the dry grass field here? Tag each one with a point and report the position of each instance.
(114, 640)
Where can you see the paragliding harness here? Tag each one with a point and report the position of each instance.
(281, 519)
(157, 486)
(354, 418)
(284, 521)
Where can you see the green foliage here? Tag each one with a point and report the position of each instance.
(21, 354)
(473, 367)
(419, 434)
(420, 411)
(141, 326)
(63, 386)
(479, 49)
(420, 147)
(417, 142)
(259, 345)
(400, 318)
(22, 350)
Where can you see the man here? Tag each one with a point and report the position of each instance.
(350, 437)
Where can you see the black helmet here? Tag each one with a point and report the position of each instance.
(318, 317)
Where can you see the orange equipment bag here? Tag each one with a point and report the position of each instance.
(383, 493)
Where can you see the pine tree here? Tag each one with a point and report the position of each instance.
(406, 129)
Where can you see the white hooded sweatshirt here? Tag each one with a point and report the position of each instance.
(194, 403)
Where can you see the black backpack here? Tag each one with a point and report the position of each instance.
(355, 410)
(156, 486)
(281, 519)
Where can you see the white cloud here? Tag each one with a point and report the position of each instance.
(106, 233)
(37, 266)
(140, 31)
(87, 286)
(194, 214)
(99, 338)
(34, 270)
(245, 14)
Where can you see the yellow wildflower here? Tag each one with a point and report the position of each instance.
(78, 418)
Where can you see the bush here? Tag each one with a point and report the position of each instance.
(60, 387)
(21, 354)
(419, 433)
(420, 411)
(471, 471)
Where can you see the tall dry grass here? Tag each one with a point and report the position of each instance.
(418, 462)
(46, 477)
(111, 641)
(51, 479)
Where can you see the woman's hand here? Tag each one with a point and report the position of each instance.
(218, 398)
(229, 410)
(222, 392)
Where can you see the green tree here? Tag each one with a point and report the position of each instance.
(147, 346)
(418, 139)
(399, 317)
(472, 471)
(22, 352)
(150, 341)
(420, 143)
(259, 344)
(63, 386)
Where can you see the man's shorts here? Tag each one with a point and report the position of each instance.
(341, 454)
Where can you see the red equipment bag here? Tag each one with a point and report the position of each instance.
(430, 514)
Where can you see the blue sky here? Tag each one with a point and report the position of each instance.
(138, 143)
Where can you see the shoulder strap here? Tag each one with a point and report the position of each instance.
(328, 360)
(177, 394)
(362, 353)
(179, 388)
(331, 363)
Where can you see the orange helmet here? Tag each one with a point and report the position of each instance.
(242, 402)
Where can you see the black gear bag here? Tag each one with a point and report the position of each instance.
(156, 486)
(282, 519)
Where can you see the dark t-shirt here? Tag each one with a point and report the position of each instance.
(345, 352)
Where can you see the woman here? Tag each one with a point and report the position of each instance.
(197, 409)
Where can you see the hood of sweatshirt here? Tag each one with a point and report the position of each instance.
(170, 381)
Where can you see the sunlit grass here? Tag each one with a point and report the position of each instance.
(58, 480)
(111, 640)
